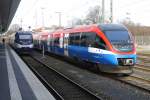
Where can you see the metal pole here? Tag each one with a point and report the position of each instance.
(42, 16)
(60, 19)
(111, 11)
(59, 15)
(43, 52)
(103, 11)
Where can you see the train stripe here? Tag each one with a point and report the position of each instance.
(98, 51)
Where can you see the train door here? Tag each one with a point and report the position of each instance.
(52, 43)
(48, 42)
(61, 40)
(66, 37)
(40, 42)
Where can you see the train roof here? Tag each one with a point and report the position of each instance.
(110, 27)
(23, 32)
(81, 28)
(103, 27)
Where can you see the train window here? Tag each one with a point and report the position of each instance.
(25, 36)
(83, 39)
(91, 39)
(87, 39)
(56, 41)
(74, 39)
(71, 39)
(51, 42)
(99, 43)
(49, 39)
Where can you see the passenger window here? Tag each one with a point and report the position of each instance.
(83, 39)
(87, 39)
(51, 40)
(91, 39)
(99, 43)
(56, 41)
(77, 39)
(74, 39)
(71, 39)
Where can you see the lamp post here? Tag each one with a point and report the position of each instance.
(103, 11)
(59, 16)
(42, 8)
(111, 11)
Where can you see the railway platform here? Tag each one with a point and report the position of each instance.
(17, 80)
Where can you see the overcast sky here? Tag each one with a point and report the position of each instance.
(33, 11)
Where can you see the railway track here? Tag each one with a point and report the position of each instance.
(136, 81)
(141, 67)
(143, 61)
(63, 87)
(144, 66)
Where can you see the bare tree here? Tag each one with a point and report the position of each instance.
(14, 27)
(93, 15)
(140, 33)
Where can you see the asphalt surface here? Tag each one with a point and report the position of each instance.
(4, 82)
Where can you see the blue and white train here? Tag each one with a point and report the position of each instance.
(22, 41)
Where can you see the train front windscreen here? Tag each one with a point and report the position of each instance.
(25, 38)
(120, 40)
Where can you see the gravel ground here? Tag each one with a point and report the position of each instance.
(144, 60)
(143, 74)
(103, 86)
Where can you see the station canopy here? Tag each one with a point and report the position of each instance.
(7, 12)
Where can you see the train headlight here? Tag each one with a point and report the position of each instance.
(31, 46)
(19, 46)
(125, 61)
(128, 62)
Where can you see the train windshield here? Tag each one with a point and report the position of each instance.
(25, 37)
(117, 36)
(120, 40)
